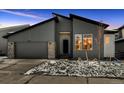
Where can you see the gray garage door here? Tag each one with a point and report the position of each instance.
(31, 50)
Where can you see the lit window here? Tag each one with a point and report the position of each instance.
(107, 39)
(78, 41)
(87, 41)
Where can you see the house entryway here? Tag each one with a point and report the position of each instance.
(64, 47)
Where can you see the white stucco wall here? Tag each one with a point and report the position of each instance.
(109, 49)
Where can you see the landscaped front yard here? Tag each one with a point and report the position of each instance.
(79, 68)
(12, 72)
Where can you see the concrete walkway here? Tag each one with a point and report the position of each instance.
(11, 72)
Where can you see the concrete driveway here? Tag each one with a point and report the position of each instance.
(11, 72)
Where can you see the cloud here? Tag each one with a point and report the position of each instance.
(22, 14)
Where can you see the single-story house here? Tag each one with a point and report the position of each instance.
(119, 43)
(8, 30)
(62, 36)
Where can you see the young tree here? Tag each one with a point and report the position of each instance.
(99, 39)
(86, 51)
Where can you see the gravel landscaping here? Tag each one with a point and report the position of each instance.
(79, 68)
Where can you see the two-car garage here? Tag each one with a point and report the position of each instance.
(37, 41)
(31, 49)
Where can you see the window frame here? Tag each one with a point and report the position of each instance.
(107, 37)
(83, 42)
(75, 42)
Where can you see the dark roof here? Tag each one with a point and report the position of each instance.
(119, 40)
(61, 15)
(121, 27)
(110, 31)
(54, 18)
(82, 18)
(88, 20)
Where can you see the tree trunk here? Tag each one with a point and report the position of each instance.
(86, 55)
(99, 52)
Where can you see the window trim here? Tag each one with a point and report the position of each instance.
(81, 41)
(107, 37)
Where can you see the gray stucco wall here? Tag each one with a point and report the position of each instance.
(44, 32)
(81, 27)
(64, 25)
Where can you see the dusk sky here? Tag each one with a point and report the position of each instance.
(115, 18)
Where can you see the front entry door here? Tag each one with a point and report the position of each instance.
(65, 46)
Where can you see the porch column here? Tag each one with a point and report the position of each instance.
(11, 49)
(51, 50)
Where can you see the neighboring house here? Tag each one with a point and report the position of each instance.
(119, 43)
(8, 30)
(60, 37)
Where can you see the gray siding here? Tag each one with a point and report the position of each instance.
(81, 27)
(43, 32)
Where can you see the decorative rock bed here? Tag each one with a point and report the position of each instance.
(79, 68)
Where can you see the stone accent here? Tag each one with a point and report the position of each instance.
(11, 49)
(51, 50)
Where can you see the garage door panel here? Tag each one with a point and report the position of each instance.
(31, 50)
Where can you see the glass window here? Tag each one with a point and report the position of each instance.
(78, 41)
(107, 39)
(87, 41)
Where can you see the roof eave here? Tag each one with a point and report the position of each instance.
(110, 31)
(121, 27)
